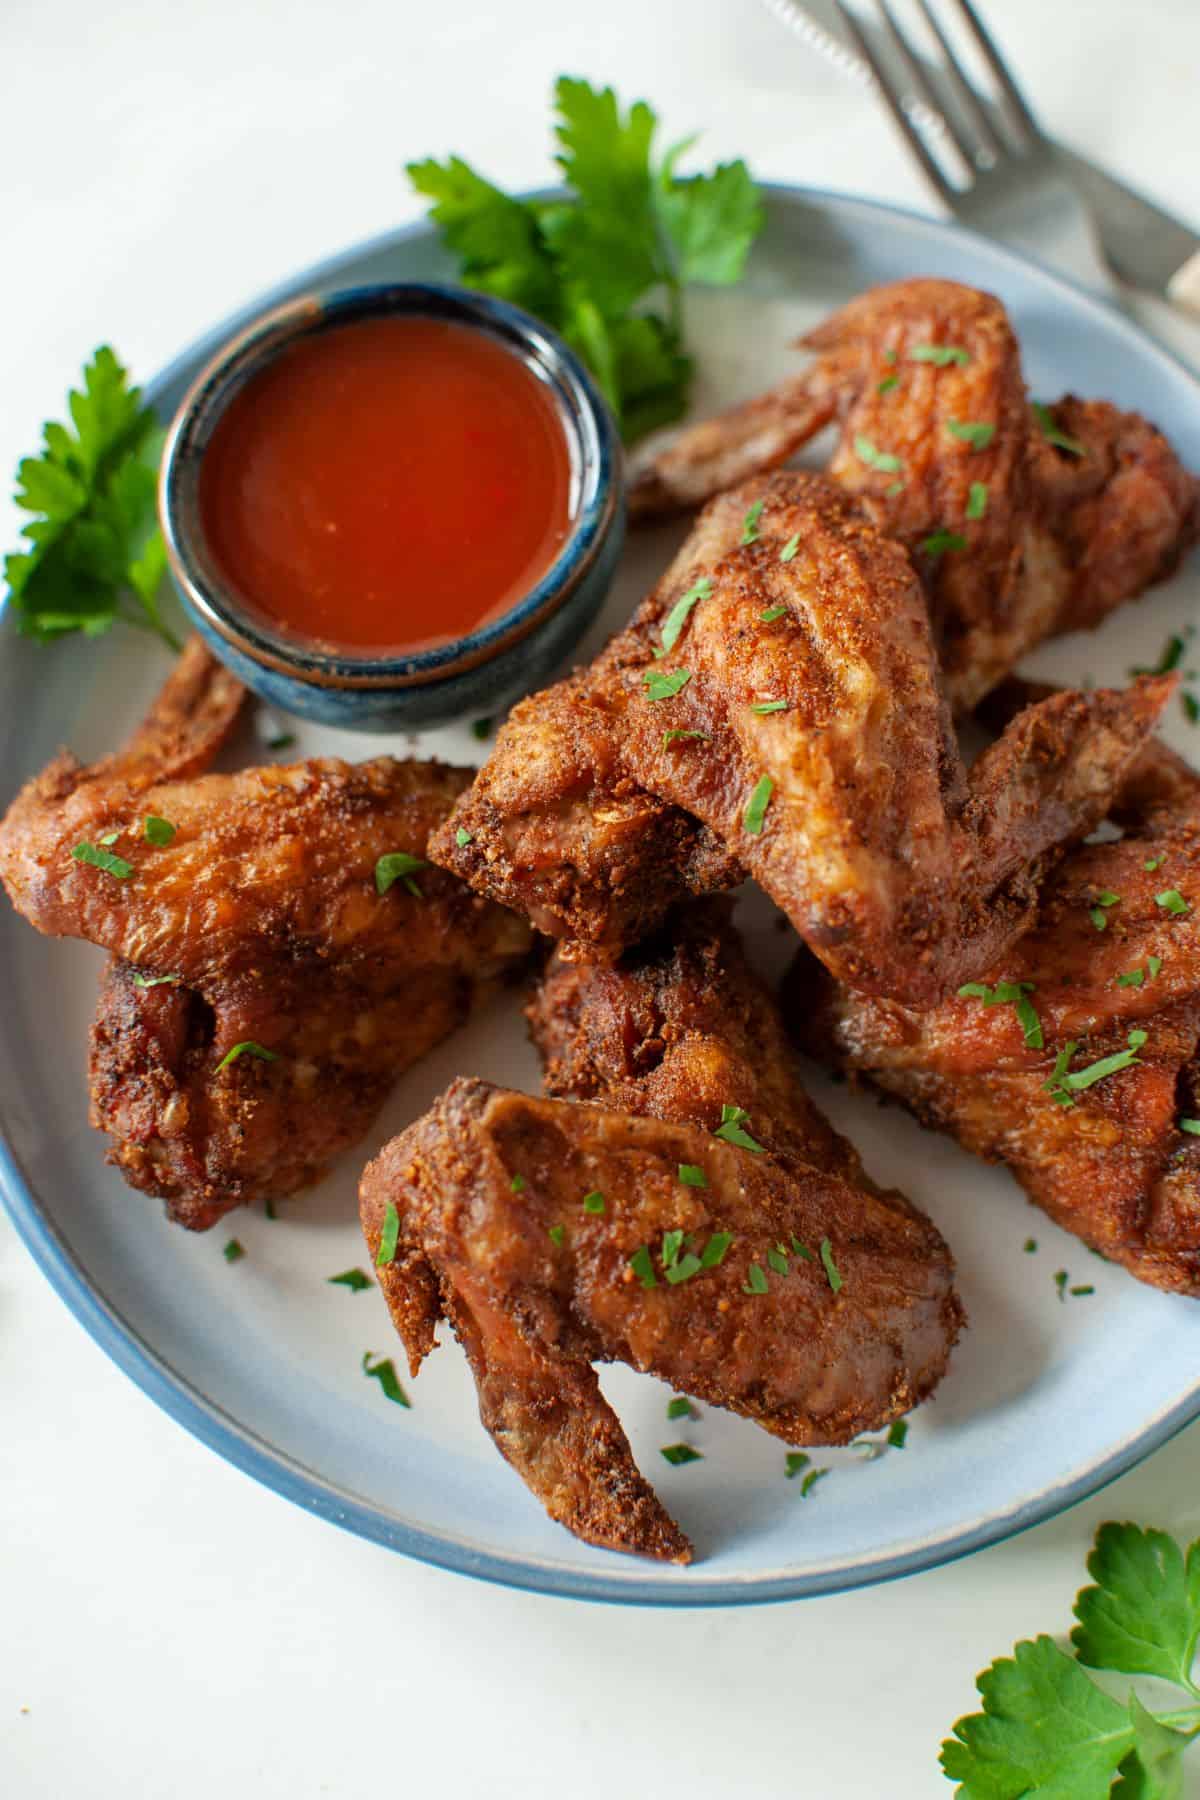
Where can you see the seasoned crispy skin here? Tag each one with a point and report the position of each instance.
(1114, 1167)
(479, 1183)
(904, 874)
(263, 913)
(1061, 536)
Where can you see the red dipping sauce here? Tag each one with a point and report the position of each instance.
(387, 484)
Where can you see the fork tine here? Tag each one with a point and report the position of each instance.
(960, 86)
(891, 100)
(999, 68)
(923, 87)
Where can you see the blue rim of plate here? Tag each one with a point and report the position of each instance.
(250, 1453)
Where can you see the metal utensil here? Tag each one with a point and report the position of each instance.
(988, 159)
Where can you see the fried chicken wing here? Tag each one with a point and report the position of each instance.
(799, 718)
(1083, 1102)
(263, 994)
(1022, 525)
(489, 1193)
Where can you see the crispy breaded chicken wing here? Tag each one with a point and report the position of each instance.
(263, 995)
(797, 715)
(1084, 1097)
(667, 1267)
(1023, 525)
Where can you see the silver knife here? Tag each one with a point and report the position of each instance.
(1146, 246)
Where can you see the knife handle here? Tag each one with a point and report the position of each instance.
(1183, 289)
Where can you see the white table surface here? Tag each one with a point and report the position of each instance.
(167, 1628)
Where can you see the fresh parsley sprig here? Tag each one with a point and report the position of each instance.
(1047, 1729)
(608, 266)
(94, 553)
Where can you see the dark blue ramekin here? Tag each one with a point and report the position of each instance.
(477, 673)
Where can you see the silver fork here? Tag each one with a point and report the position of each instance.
(1010, 179)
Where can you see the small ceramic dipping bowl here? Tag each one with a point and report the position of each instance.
(476, 673)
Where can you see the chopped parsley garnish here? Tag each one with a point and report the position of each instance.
(1133, 978)
(770, 706)
(677, 618)
(282, 740)
(714, 1251)
(1029, 1246)
(158, 831)
(149, 981)
(1084, 1288)
(679, 1408)
(389, 1237)
(1190, 1125)
(643, 1267)
(799, 1249)
(778, 1261)
(593, 1202)
(398, 865)
(883, 460)
(771, 614)
(354, 1279)
(692, 1175)
(1051, 432)
(832, 1273)
(103, 859)
(517, 1184)
(110, 837)
(894, 488)
(665, 687)
(969, 431)
(1061, 1279)
(676, 736)
(1063, 1085)
(1009, 993)
(756, 806)
(794, 1462)
(684, 1269)
(1153, 965)
(677, 1454)
(730, 1128)
(1171, 657)
(1097, 913)
(1190, 705)
(481, 729)
(557, 1235)
(897, 1435)
(810, 1481)
(940, 541)
(247, 1047)
(790, 548)
(1172, 901)
(1154, 862)
(384, 1372)
(756, 1282)
(672, 1244)
(887, 384)
(462, 837)
(750, 522)
(939, 354)
(233, 1251)
(977, 500)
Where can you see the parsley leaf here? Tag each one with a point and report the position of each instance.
(665, 687)
(597, 264)
(94, 554)
(730, 1128)
(354, 1279)
(938, 542)
(247, 1047)
(1046, 1728)
(389, 1237)
(939, 354)
(750, 522)
(1014, 993)
(678, 1454)
(968, 431)
(384, 1372)
(677, 618)
(1172, 901)
(756, 806)
(883, 460)
(1051, 432)
(1143, 1614)
(977, 500)
(103, 859)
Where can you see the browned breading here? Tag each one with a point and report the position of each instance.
(905, 875)
(263, 908)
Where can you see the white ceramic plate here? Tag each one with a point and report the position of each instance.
(1045, 1399)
